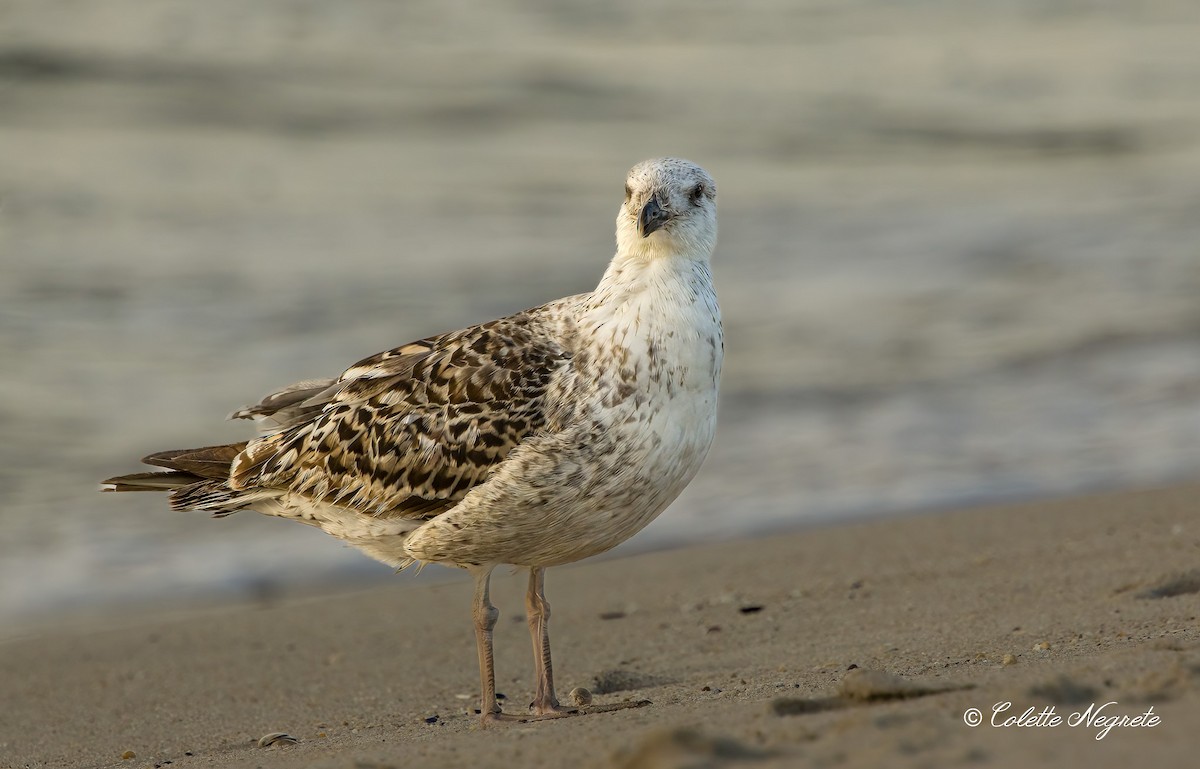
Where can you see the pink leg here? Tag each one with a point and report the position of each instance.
(545, 703)
(537, 611)
(485, 616)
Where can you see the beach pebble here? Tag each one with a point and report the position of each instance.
(128, 755)
(276, 738)
(1043, 646)
(865, 684)
(580, 697)
(1177, 584)
(1163, 684)
(1008, 659)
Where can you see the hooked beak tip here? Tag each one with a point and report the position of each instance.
(652, 217)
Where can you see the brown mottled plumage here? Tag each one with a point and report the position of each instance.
(404, 433)
(408, 432)
(535, 440)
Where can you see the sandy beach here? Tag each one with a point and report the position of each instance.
(958, 265)
(851, 645)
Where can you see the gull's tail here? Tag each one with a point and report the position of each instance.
(198, 479)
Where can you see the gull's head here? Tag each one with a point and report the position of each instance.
(670, 209)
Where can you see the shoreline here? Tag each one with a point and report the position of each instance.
(847, 644)
(344, 577)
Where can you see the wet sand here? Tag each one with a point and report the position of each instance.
(774, 652)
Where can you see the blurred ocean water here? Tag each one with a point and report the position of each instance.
(959, 258)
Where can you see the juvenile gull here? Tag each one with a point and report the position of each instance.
(533, 440)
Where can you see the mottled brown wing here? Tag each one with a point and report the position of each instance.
(293, 405)
(409, 431)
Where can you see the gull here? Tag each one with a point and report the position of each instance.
(534, 440)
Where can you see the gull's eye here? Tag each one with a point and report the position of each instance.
(697, 194)
(628, 193)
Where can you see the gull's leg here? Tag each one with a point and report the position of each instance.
(537, 611)
(485, 616)
(545, 704)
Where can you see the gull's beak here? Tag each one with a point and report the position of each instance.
(652, 217)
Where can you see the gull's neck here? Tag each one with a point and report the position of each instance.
(665, 302)
(660, 321)
(654, 273)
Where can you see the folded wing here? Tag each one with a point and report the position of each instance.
(409, 431)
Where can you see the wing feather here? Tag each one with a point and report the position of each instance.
(409, 431)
